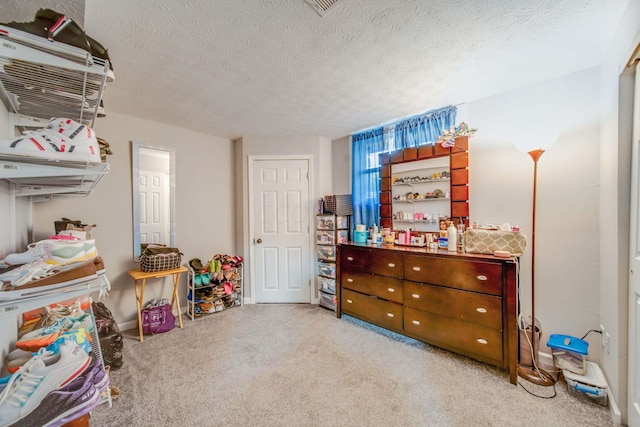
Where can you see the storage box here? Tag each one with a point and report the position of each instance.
(343, 236)
(592, 384)
(327, 301)
(327, 285)
(325, 237)
(327, 269)
(479, 241)
(326, 252)
(569, 353)
(340, 204)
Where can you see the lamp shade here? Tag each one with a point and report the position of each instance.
(535, 140)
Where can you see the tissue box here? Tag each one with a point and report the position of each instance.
(478, 241)
(569, 353)
(592, 384)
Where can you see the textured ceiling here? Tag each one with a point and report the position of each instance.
(276, 67)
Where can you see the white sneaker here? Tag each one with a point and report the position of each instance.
(37, 378)
(62, 139)
(55, 252)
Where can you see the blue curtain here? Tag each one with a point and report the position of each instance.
(365, 178)
(367, 147)
(423, 129)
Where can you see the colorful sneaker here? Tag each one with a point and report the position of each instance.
(62, 139)
(60, 406)
(51, 314)
(26, 389)
(56, 277)
(79, 336)
(55, 252)
(90, 251)
(39, 338)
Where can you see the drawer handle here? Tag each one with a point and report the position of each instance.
(391, 289)
(416, 268)
(481, 310)
(391, 265)
(350, 301)
(415, 322)
(482, 277)
(416, 296)
(482, 341)
(349, 258)
(390, 315)
(350, 280)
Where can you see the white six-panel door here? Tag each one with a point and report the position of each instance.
(280, 212)
(154, 218)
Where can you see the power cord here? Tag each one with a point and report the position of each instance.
(592, 330)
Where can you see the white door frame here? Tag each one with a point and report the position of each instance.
(252, 159)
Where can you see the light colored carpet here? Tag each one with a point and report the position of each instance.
(298, 365)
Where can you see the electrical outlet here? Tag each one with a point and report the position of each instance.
(606, 338)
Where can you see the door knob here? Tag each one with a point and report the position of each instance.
(259, 241)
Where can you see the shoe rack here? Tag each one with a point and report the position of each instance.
(219, 300)
(44, 79)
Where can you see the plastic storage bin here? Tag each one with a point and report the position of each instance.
(327, 301)
(327, 285)
(325, 238)
(326, 252)
(592, 384)
(327, 270)
(569, 353)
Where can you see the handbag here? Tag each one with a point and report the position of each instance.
(159, 258)
(157, 319)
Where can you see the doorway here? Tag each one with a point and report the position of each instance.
(280, 213)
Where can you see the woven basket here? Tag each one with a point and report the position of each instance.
(160, 258)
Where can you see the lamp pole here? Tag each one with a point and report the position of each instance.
(534, 374)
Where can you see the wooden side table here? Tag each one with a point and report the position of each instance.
(140, 280)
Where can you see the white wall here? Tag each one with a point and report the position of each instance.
(204, 212)
(500, 187)
(615, 155)
(321, 174)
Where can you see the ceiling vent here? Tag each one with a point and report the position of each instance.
(322, 7)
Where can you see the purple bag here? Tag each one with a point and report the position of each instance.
(158, 319)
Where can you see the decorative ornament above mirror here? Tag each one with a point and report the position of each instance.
(153, 185)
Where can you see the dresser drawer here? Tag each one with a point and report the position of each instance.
(373, 310)
(477, 276)
(385, 287)
(386, 263)
(481, 309)
(464, 337)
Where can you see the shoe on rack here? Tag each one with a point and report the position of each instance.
(55, 26)
(79, 336)
(47, 276)
(28, 387)
(51, 314)
(42, 337)
(219, 305)
(62, 139)
(56, 252)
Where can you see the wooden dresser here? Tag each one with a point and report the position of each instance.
(465, 303)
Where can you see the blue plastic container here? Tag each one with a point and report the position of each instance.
(569, 352)
(360, 236)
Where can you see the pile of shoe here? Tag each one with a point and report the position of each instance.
(62, 139)
(216, 284)
(49, 264)
(55, 377)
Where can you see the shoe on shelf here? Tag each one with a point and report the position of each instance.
(62, 139)
(219, 305)
(42, 337)
(51, 314)
(78, 336)
(41, 375)
(40, 274)
(56, 252)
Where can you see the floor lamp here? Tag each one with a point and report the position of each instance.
(533, 373)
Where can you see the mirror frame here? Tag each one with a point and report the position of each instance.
(135, 169)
